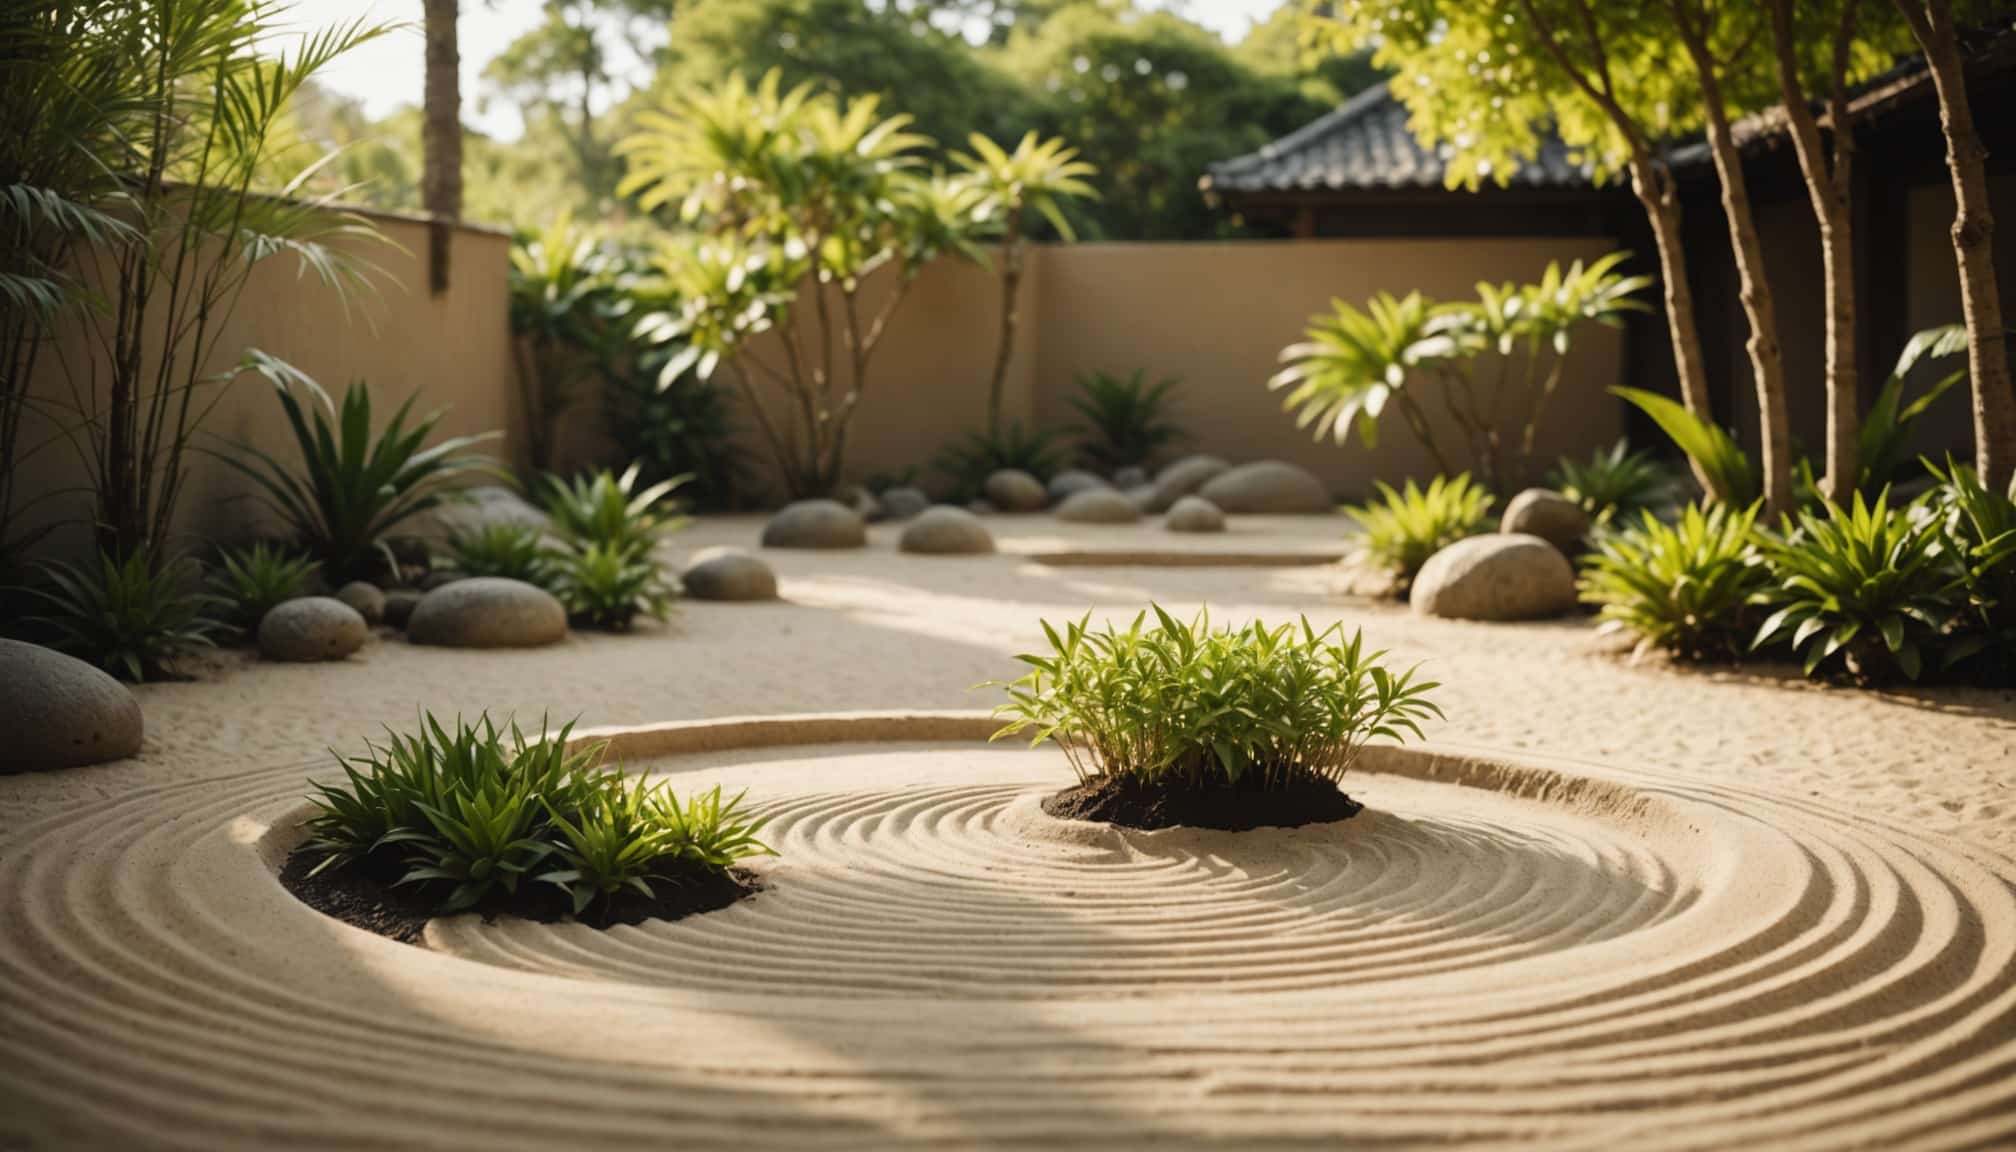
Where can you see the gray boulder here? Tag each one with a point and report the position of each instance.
(489, 504)
(1502, 577)
(1549, 515)
(365, 598)
(310, 629)
(1132, 476)
(399, 605)
(1142, 496)
(1268, 488)
(864, 503)
(62, 712)
(815, 524)
(903, 503)
(946, 531)
(1073, 480)
(1182, 478)
(1098, 506)
(1012, 490)
(1194, 514)
(728, 574)
(487, 612)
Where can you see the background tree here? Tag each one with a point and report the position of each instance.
(441, 138)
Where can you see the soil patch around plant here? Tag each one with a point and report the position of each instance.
(1129, 803)
(368, 897)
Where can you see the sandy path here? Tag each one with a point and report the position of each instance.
(127, 886)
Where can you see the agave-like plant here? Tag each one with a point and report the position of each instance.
(252, 580)
(1403, 529)
(133, 617)
(1686, 588)
(1124, 422)
(1979, 525)
(1615, 484)
(507, 548)
(609, 586)
(607, 509)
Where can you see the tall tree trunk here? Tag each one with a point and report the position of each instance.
(1767, 368)
(1973, 244)
(1829, 187)
(1011, 282)
(441, 139)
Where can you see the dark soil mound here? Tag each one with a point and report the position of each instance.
(1177, 803)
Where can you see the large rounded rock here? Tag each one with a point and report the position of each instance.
(903, 503)
(1502, 577)
(1183, 477)
(473, 508)
(310, 629)
(365, 598)
(1194, 514)
(946, 531)
(62, 712)
(1012, 490)
(487, 612)
(1073, 480)
(1132, 476)
(815, 524)
(728, 574)
(1268, 488)
(1549, 515)
(1098, 506)
(399, 605)
(864, 503)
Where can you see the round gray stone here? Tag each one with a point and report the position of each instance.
(1268, 488)
(1011, 490)
(1194, 514)
(399, 605)
(903, 503)
(815, 524)
(1098, 506)
(487, 612)
(1549, 515)
(365, 598)
(62, 712)
(864, 503)
(311, 629)
(1132, 476)
(1183, 477)
(488, 504)
(1072, 480)
(728, 574)
(1502, 577)
(946, 531)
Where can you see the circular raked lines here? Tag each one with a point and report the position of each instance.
(1495, 950)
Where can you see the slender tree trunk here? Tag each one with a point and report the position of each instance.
(1973, 244)
(1656, 193)
(441, 139)
(1829, 187)
(1011, 282)
(1767, 367)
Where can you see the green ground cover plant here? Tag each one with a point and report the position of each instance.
(1685, 588)
(1615, 483)
(1403, 529)
(134, 617)
(251, 580)
(605, 568)
(1126, 419)
(506, 548)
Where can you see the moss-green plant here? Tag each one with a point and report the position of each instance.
(1685, 587)
(134, 617)
(1870, 584)
(1615, 484)
(1403, 529)
(251, 580)
(1253, 707)
(608, 586)
(511, 549)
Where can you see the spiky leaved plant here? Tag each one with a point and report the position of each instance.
(1403, 529)
(1685, 588)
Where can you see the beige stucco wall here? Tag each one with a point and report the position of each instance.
(452, 349)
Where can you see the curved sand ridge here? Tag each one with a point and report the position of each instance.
(1494, 950)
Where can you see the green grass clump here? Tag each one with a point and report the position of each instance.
(511, 549)
(1615, 484)
(1254, 707)
(134, 618)
(607, 586)
(1403, 529)
(472, 813)
(252, 580)
(606, 570)
(1685, 587)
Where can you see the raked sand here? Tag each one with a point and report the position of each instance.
(1611, 906)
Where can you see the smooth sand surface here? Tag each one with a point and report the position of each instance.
(1619, 906)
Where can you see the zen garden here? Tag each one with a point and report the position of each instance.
(974, 573)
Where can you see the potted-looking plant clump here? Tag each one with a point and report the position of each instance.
(1171, 724)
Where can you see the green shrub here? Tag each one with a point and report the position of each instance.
(1255, 707)
(506, 548)
(683, 428)
(133, 618)
(1732, 478)
(250, 581)
(609, 586)
(1868, 583)
(1978, 525)
(469, 813)
(1125, 424)
(353, 487)
(1402, 529)
(1615, 484)
(968, 463)
(604, 508)
(1685, 588)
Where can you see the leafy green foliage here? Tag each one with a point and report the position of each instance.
(252, 580)
(1040, 173)
(134, 617)
(1353, 363)
(1685, 588)
(1731, 476)
(1125, 421)
(1252, 707)
(561, 287)
(1403, 529)
(354, 487)
(682, 429)
(967, 463)
(1885, 434)
(1615, 484)
(470, 813)
(607, 509)
(506, 548)
(1978, 526)
(1868, 583)
(608, 586)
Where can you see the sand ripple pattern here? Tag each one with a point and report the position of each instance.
(1589, 957)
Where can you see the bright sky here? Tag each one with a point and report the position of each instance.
(387, 72)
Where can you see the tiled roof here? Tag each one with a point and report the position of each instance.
(1364, 143)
